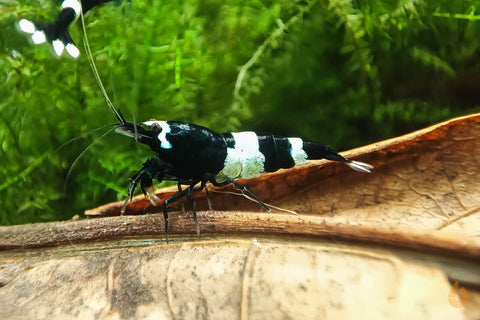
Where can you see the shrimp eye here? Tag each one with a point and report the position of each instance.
(155, 127)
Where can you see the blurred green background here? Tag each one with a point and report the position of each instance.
(342, 72)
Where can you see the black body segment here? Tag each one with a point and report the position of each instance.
(317, 151)
(197, 152)
(277, 152)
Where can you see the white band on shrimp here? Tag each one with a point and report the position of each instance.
(296, 151)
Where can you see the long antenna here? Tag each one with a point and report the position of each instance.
(95, 72)
(82, 153)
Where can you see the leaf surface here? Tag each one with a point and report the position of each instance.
(400, 242)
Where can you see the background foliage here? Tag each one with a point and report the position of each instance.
(343, 72)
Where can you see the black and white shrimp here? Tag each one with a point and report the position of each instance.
(56, 33)
(192, 154)
(188, 153)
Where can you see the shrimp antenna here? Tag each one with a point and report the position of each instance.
(70, 170)
(86, 44)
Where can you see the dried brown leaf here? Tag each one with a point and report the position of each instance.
(424, 182)
(347, 254)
